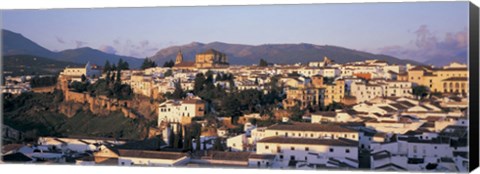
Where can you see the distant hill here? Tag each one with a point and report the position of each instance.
(460, 57)
(16, 44)
(274, 53)
(31, 65)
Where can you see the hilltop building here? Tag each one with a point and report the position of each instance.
(204, 60)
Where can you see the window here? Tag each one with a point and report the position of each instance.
(331, 149)
(281, 157)
(347, 150)
(306, 149)
(266, 147)
(292, 148)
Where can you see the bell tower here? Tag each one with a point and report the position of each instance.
(179, 58)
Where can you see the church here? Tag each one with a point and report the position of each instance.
(204, 60)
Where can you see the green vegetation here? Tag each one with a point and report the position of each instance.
(33, 65)
(169, 63)
(147, 63)
(263, 63)
(36, 114)
(121, 65)
(106, 88)
(420, 91)
(43, 81)
(233, 103)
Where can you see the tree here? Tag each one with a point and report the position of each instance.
(420, 91)
(297, 113)
(119, 75)
(112, 78)
(147, 63)
(168, 73)
(217, 145)
(84, 78)
(263, 63)
(198, 142)
(178, 93)
(107, 78)
(169, 64)
(107, 66)
(198, 83)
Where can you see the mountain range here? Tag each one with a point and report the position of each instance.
(274, 53)
(16, 44)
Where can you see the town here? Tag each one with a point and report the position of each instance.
(357, 115)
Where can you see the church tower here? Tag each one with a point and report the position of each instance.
(179, 58)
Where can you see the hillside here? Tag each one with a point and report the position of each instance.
(38, 114)
(31, 65)
(274, 53)
(16, 44)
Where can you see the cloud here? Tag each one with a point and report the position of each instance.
(108, 49)
(60, 40)
(128, 47)
(79, 43)
(428, 47)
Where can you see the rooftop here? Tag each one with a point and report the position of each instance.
(310, 141)
(297, 126)
(151, 154)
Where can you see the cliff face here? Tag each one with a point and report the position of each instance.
(70, 108)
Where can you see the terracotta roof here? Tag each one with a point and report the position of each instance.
(151, 154)
(398, 106)
(228, 156)
(326, 114)
(388, 109)
(185, 64)
(454, 69)
(297, 126)
(193, 101)
(10, 147)
(407, 103)
(456, 79)
(310, 141)
(262, 156)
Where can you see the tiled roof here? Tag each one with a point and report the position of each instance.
(151, 154)
(310, 141)
(185, 64)
(262, 156)
(326, 114)
(297, 126)
(456, 79)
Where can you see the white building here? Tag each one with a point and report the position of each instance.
(176, 110)
(151, 158)
(308, 151)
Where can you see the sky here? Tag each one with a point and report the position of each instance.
(406, 30)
